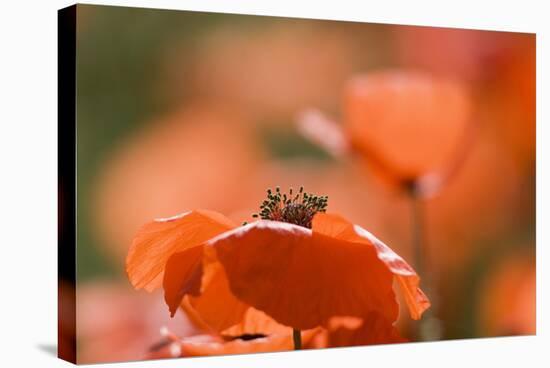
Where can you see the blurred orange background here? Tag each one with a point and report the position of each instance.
(184, 110)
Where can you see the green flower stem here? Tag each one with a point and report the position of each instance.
(429, 328)
(418, 233)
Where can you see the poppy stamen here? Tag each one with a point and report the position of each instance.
(298, 209)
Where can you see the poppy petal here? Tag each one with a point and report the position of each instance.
(156, 241)
(336, 226)
(206, 345)
(216, 308)
(203, 347)
(182, 276)
(301, 278)
(256, 322)
(319, 129)
(371, 330)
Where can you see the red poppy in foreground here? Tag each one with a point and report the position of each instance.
(298, 265)
(265, 335)
(256, 333)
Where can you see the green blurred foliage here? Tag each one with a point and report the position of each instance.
(117, 73)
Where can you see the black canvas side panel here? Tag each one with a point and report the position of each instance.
(66, 151)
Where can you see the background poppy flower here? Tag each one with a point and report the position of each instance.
(507, 296)
(117, 324)
(405, 123)
(411, 123)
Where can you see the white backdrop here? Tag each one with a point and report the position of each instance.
(28, 184)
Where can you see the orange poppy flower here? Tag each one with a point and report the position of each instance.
(498, 313)
(297, 264)
(407, 124)
(256, 333)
